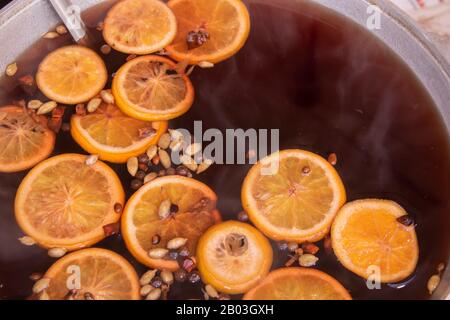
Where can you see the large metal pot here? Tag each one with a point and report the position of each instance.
(24, 21)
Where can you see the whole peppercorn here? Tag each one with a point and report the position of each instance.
(157, 282)
(174, 208)
(180, 275)
(156, 239)
(292, 246)
(406, 220)
(188, 264)
(173, 255)
(182, 171)
(283, 245)
(140, 175)
(243, 216)
(194, 277)
(143, 158)
(184, 252)
(136, 184)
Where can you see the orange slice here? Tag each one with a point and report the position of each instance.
(367, 238)
(298, 284)
(71, 75)
(103, 275)
(293, 195)
(114, 136)
(65, 203)
(233, 257)
(224, 25)
(141, 222)
(139, 26)
(24, 140)
(150, 88)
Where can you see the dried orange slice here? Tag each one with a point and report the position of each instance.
(151, 88)
(209, 30)
(65, 203)
(71, 75)
(103, 275)
(139, 26)
(114, 136)
(195, 212)
(293, 195)
(298, 284)
(367, 239)
(24, 140)
(233, 257)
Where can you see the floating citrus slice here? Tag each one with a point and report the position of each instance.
(139, 26)
(24, 140)
(114, 136)
(71, 75)
(151, 88)
(293, 195)
(368, 240)
(195, 212)
(93, 273)
(233, 257)
(298, 284)
(65, 203)
(208, 30)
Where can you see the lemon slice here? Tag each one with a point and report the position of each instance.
(217, 29)
(151, 88)
(139, 26)
(233, 257)
(71, 75)
(65, 203)
(114, 136)
(293, 195)
(367, 238)
(103, 275)
(24, 140)
(298, 284)
(195, 212)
